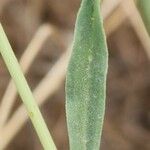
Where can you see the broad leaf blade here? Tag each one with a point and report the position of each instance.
(86, 79)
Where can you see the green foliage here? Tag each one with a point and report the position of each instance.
(86, 79)
(25, 92)
(144, 8)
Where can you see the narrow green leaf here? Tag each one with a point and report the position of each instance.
(25, 92)
(86, 79)
(144, 8)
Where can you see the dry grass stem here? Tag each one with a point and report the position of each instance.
(107, 9)
(114, 20)
(137, 23)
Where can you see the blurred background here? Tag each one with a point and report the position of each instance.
(40, 32)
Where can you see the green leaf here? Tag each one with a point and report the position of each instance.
(86, 79)
(144, 8)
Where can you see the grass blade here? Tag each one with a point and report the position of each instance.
(55, 76)
(26, 60)
(25, 92)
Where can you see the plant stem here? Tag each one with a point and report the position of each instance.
(25, 92)
(144, 8)
(26, 61)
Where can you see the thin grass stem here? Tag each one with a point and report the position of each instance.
(26, 60)
(25, 92)
(55, 76)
